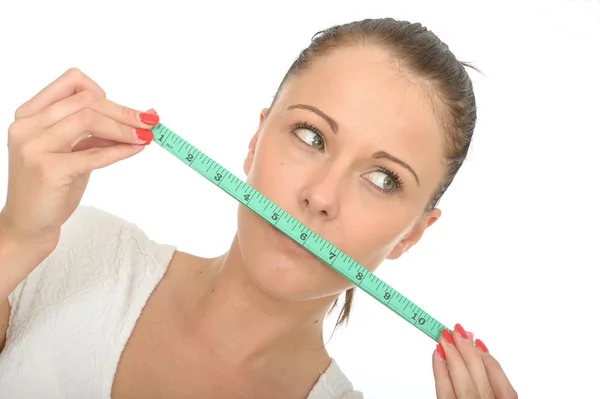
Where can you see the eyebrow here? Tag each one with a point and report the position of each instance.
(383, 154)
(332, 123)
(335, 127)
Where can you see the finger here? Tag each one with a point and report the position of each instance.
(63, 136)
(80, 182)
(87, 99)
(461, 379)
(71, 82)
(86, 161)
(473, 360)
(501, 386)
(94, 142)
(443, 383)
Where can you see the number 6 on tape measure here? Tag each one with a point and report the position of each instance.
(296, 231)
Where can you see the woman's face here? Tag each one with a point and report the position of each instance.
(353, 151)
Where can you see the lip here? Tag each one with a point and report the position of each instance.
(290, 245)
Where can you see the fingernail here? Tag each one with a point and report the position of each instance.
(481, 345)
(447, 336)
(144, 135)
(470, 334)
(440, 351)
(461, 331)
(152, 111)
(148, 118)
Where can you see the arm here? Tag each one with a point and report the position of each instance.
(16, 262)
(4, 315)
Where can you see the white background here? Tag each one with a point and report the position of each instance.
(514, 257)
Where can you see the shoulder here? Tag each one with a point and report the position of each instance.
(89, 227)
(334, 384)
(95, 248)
(92, 232)
(97, 242)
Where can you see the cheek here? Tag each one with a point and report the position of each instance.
(369, 232)
(267, 162)
(368, 239)
(273, 175)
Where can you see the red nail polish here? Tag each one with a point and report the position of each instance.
(481, 345)
(152, 111)
(144, 134)
(440, 351)
(447, 336)
(149, 118)
(461, 331)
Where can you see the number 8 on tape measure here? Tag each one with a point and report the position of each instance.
(296, 231)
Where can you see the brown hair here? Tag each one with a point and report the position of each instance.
(420, 53)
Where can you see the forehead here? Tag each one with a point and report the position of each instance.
(363, 89)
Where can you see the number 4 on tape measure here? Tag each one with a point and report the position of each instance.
(296, 231)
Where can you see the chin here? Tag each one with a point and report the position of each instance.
(280, 268)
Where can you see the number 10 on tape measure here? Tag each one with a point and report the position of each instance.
(296, 231)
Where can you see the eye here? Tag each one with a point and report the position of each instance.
(309, 134)
(386, 181)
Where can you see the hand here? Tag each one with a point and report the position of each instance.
(51, 156)
(464, 369)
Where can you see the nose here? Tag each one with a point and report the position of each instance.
(320, 197)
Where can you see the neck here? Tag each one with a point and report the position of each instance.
(239, 322)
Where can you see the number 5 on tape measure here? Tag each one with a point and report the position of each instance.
(296, 231)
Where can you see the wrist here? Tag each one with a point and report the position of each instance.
(11, 247)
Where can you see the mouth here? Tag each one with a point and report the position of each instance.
(290, 246)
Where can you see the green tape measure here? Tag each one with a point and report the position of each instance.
(296, 231)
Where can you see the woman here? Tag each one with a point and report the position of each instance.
(365, 133)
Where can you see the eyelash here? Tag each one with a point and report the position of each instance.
(398, 182)
(308, 126)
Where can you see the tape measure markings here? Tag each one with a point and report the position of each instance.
(296, 231)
